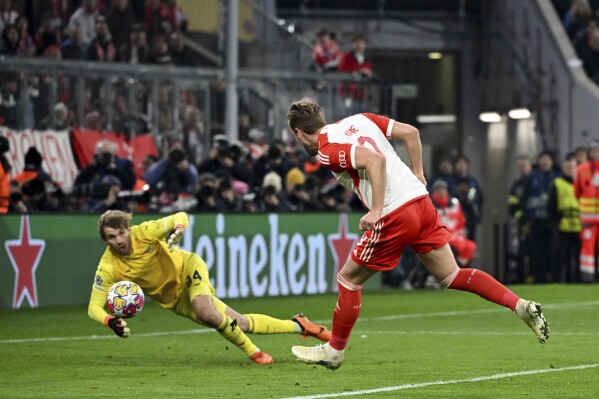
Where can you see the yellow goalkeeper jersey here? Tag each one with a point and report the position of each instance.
(150, 264)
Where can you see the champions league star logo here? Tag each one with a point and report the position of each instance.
(341, 245)
(25, 254)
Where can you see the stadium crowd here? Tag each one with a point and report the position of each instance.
(249, 175)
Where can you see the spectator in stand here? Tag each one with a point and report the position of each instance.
(588, 51)
(160, 53)
(586, 189)
(306, 197)
(453, 218)
(85, 18)
(63, 119)
(225, 159)
(42, 196)
(173, 175)
(26, 44)
(470, 195)
(272, 194)
(576, 20)
(564, 209)
(8, 16)
(445, 173)
(191, 133)
(534, 203)
(5, 168)
(180, 52)
(360, 68)
(101, 47)
(137, 50)
(581, 155)
(325, 52)
(205, 193)
(120, 21)
(9, 97)
(33, 168)
(519, 229)
(96, 183)
(228, 199)
(73, 48)
(48, 34)
(10, 41)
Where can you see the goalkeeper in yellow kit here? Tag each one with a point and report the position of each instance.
(177, 280)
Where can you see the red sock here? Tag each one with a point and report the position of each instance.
(484, 285)
(346, 313)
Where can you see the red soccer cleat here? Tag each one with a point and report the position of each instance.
(261, 358)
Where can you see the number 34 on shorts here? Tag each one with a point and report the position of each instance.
(194, 276)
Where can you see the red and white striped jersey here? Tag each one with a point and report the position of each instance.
(337, 148)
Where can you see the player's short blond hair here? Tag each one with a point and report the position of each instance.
(113, 219)
(306, 116)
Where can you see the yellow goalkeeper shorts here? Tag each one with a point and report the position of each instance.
(195, 282)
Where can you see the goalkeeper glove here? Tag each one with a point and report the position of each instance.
(118, 325)
(175, 238)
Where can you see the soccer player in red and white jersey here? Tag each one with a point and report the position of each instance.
(357, 150)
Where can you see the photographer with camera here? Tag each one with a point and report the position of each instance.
(172, 178)
(102, 179)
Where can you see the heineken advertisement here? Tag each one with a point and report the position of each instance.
(51, 259)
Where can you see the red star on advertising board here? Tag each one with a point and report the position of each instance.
(25, 254)
(341, 245)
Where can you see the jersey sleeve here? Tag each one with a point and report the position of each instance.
(103, 280)
(382, 122)
(158, 229)
(338, 157)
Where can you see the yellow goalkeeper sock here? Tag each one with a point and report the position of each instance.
(263, 324)
(232, 333)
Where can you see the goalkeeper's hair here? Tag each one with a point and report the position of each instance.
(113, 219)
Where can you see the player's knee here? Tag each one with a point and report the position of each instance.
(346, 282)
(209, 317)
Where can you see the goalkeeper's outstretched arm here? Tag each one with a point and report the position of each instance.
(96, 311)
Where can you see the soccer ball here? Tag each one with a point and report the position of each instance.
(125, 299)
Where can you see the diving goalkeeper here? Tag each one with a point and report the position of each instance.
(148, 255)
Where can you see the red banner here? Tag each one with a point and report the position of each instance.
(84, 145)
(55, 148)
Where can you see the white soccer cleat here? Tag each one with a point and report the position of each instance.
(321, 354)
(531, 313)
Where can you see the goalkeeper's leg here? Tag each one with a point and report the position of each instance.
(209, 312)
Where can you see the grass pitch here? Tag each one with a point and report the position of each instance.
(418, 344)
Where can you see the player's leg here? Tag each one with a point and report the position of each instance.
(349, 302)
(198, 303)
(255, 323)
(441, 263)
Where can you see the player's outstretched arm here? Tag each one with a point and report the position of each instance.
(411, 138)
(95, 310)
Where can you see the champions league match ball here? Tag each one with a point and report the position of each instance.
(125, 299)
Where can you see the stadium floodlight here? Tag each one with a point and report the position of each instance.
(489, 117)
(447, 118)
(519, 113)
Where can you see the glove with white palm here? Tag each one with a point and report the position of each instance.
(175, 238)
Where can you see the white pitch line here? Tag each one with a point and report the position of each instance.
(500, 333)
(94, 337)
(474, 311)
(362, 319)
(448, 382)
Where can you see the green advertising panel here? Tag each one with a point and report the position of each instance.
(51, 259)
